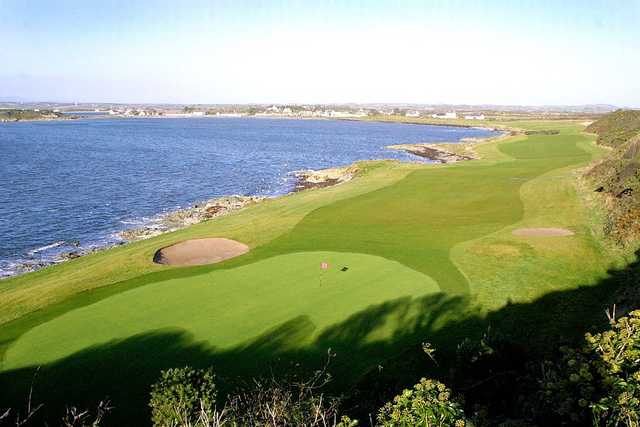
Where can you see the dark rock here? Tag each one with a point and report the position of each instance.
(625, 192)
(70, 255)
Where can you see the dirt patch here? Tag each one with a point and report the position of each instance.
(200, 252)
(542, 232)
(542, 132)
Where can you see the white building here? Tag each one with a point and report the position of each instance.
(448, 115)
(347, 114)
(219, 114)
(412, 114)
(474, 117)
(197, 114)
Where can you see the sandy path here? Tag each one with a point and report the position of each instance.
(200, 251)
(542, 232)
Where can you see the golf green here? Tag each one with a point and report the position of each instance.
(228, 307)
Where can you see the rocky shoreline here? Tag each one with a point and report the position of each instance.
(439, 155)
(434, 153)
(195, 214)
(182, 218)
(220, 206)
(324, 177)
(450, 152)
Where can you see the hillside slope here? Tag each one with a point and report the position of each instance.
(617, 177)
(617, 128)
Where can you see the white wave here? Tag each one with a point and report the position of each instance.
(44, 248)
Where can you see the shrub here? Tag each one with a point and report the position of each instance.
(183, 396)
(600, 380)
(288, 402)
(427, 404)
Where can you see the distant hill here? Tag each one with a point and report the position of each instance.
(617, 128)
(11, 115)
(617, 177)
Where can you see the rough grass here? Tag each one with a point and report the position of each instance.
(426, 247)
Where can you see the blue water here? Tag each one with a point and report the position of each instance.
(84, 180)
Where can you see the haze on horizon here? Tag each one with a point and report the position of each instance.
(472, 52)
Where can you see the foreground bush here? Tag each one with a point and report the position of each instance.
(73, 417)
(274, 403)
(183, 397)
(600, 381)
(428, 404)
(186, 397)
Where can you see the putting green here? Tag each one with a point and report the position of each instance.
(225, 308)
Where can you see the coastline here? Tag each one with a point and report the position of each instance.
(452, 152)
(432, 152)
(184, 217)
(212, 208)
(40, 119)
(220, 206)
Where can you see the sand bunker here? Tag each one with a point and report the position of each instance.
(200, 252)
(542, 232)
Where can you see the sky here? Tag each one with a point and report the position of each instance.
(440, 51)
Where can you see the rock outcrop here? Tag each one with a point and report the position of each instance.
(193, 215)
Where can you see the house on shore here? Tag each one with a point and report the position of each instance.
(448, 115)
(474, 116)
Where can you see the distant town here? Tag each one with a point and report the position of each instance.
(16, 111)
(291, 111)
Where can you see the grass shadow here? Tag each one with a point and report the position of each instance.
(123, 370)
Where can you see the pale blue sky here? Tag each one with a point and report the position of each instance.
(501, 52)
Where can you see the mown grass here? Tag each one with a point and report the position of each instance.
(425, 247)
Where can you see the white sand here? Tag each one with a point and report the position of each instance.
(200, 252)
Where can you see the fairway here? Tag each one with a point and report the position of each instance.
(411, 249)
